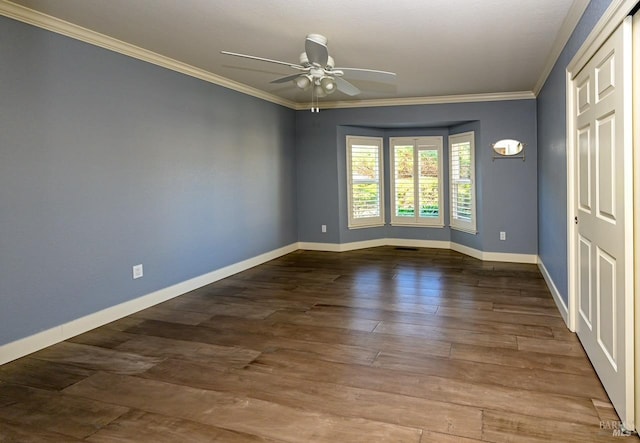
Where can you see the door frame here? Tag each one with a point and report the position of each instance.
(608, 23)
(636, 203)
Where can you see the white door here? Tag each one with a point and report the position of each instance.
(604, 216)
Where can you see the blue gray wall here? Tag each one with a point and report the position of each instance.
(506, 188)
(552, 155)
(107, 162)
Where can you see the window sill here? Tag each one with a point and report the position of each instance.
(417, 225)
(463, 229)
(376, 225)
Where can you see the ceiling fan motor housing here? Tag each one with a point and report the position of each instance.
(318, 38)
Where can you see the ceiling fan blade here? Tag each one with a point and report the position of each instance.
(262, 59)
(346, 87)
(368, 74)
(285, 79)
(317, 52)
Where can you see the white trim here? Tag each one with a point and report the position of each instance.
(509, 257)
(50, 23)
(461, 229)
(342, 247)
(557, 298)
(422, 143)
(368, 225)
(325, 247)
(628, 143)
(417, 243)
(368, 142)
(459, 223)
(610, 20)
(352, 246)
(411, 101)
(416, 225)
(494, 256)
(27, 345)
(636, 205)
(571, 203)
(53, 24)
(568, 25)
(411, 243)
(472, 252)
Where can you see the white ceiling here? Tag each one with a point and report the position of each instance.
(436, 47)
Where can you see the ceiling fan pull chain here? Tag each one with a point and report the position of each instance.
(314, 101)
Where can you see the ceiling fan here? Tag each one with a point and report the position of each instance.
(317, 71)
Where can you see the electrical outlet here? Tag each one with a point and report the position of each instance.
(324, 228)
(137, 271)
(503, 235)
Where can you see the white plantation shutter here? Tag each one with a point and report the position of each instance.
(429, 186)
(403, 180)
(364, 181)
(366, 184)
(461, 176)
(416, 186)
(462, 182)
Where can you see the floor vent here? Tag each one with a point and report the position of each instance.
(403, 248)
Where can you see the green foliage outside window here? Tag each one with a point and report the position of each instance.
(365, 187)
(428, 182)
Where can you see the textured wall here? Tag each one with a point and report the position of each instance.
(107, 162)
(552, 154)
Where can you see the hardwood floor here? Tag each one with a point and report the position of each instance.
(377, 345)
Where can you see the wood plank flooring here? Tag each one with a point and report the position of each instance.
(377, 345)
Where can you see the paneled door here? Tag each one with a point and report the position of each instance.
(604, 216)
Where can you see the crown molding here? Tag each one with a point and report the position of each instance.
(610, 20)
(53, 24)
(568, 25)
(436, 100)
(44, 21)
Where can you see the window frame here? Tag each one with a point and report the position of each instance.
(416, 220)
(457, 223)
(365, 222)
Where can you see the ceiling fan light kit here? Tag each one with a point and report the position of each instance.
(303, 82)
(328, 84)
(317, 71)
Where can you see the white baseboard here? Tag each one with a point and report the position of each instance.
(352, 246)
(35, 342)
(409, 243)
(24, 346)
(507, 257)
(362, 244)
(340, 247)
(325, 247)
(416, 243)
(562, 306)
